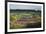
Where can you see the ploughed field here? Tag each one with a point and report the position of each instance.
(25, 19)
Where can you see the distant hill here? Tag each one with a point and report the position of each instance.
(22, 10)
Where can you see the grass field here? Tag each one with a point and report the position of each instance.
(25, 19)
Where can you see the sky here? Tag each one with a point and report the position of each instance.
(30, 7)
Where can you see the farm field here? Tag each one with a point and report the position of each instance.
(25, 19)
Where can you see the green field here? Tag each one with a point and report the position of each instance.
(25, 19)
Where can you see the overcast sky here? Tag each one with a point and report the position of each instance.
(15, 6)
